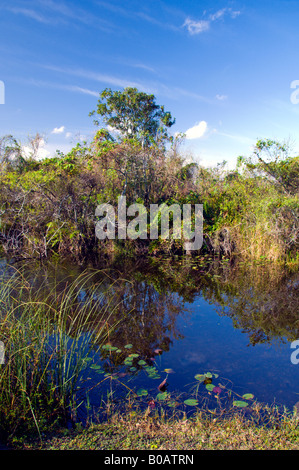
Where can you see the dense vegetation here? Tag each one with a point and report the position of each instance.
(48, 209)
(48, 206)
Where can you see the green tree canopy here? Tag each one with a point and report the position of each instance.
(271, 158)
(134, 114)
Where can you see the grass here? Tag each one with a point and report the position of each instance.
(141, 431)
(48, 339)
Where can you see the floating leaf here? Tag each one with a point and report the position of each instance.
(210, 387)
(142, 392)
(199, 377)
(142, 362)
(132, 369)
(128, 346)
(191, 402)
(128, 361)
(169, 371)
(240, 403)
(133, 355)
(95, 366)
(208, 375)
(154, 376)
(162, 396)
(118, 350)
(109, 347)
(248, 396)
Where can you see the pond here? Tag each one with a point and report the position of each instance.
(178, 319)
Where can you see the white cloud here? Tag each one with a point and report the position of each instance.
(200, 26)
(196, 27)
(42, 152)
(197, 131)
(218, 14)
(221, 97)
(58, 130)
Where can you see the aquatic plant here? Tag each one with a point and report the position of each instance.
(48, 345)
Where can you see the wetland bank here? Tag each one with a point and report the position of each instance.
(93, 326)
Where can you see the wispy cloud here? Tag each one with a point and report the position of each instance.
(75, 13)
(237, 137)
(29, 13)
(221, 97)
(137, 14)
(202, 25)
(57, 86)
(196, 27)
(99, 77)
(53, 13)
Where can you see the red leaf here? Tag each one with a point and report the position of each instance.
(162, 385)
(151, 404)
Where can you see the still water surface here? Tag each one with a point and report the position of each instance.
(233, 319)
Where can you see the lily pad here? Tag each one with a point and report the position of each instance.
(142, 392)
(169, 371)
(97, 369)
(191, 402)
(210, 387)
(109, 347)
(162, 396)
(200, 377)
(248, 396)
(128, 346)
(240, 403)
(128, 361)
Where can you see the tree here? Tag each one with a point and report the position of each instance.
(272, 158)
(135, 114)
(11, 154)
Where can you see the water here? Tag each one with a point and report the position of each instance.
(234, 320)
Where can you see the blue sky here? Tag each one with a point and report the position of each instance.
(222, 68)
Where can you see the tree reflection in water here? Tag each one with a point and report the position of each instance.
(147, 298)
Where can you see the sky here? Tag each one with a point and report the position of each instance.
(228, 71)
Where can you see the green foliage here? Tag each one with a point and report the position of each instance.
(134, 114)
(48, 207)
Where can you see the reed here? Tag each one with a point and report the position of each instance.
(48, 343)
